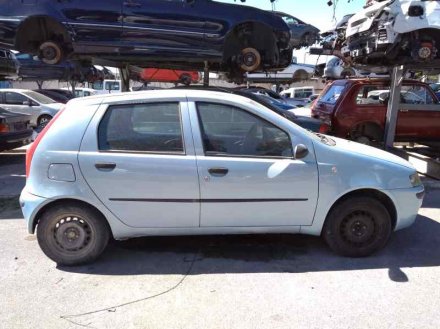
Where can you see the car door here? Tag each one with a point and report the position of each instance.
(139, 160)
(167, 27)
(419, 114)
(18, 103)
(95, 23)
(247, 173)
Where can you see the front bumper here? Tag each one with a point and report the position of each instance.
(30, 205)
(407, 202)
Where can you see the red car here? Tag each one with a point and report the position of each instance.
(356, 109)
(173, 76)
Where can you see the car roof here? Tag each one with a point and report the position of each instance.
(373, 81)
(15, 90)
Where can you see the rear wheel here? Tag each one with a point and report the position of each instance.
(72, 235)
(357, 227)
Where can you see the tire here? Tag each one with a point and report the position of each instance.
(251, 59)
(357, 227)
(89, 234)
(43, 120)
(51, 53)
(363, 140)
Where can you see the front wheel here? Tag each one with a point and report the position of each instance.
(251, 59)
(51, 53)
(43, 120)
(357, 227)
(72, 235)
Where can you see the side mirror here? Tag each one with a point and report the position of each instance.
(300, 151)
(27, 103)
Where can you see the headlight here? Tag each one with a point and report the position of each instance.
(415, 179)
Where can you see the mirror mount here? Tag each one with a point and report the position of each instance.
(300, 151)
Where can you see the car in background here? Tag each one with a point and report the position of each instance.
(202, 163)
(281, 105)
(293, 73)
(82, 92)
(336, 69)
(15, 130)
(395, 33)
(40, 108)
(107, 87)
(356, 109)
(302, 34)
(178, 34)
(8, 64)
(57, 97)
(32, 68)
(170, 76)
(436, 88)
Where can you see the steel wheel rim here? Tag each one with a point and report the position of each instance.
(358, 228)
(72, 233)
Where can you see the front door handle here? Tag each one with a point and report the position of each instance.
(132, 4)
(218, 172)
(105, 166)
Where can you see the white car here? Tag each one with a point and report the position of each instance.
(394, 32)
(83, 92)
(294, 72)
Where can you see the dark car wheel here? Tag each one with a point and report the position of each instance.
(51, 53)
(72, 235)
(44, 120)
(357, 227)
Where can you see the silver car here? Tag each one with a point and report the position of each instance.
(192, 162)
(41, 108)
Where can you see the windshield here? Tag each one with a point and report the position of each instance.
(39, 98)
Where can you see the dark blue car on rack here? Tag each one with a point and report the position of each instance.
(172, 33)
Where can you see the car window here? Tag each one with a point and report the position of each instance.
(97, 85)
(372, 95)
(112, 85)
(2, 54)
(229, 131)
(332, 94)
(152, 127)
(15, 98)
(290, 20)
(416, 94)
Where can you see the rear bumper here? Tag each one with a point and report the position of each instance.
(407, 202)
(30, 205)
(14, 139)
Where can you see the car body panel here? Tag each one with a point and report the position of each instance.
(72, 139)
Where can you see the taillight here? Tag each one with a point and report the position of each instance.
(31, 150)
(4, 128)
(324, 128)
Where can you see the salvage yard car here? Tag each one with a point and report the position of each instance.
(395, 32)
(193, 162)
(40, 108)
(171, 34)
(356, 109)
(15, 130)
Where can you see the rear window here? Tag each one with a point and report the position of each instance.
(153, 127)
(332, 94)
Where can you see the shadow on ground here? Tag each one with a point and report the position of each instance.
(418, 246)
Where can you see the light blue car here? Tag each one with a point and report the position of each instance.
(193, 162)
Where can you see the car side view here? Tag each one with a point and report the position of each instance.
(193, 162)
(172, 34)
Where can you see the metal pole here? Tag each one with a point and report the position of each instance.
(125, 79)
(393, 105)
(206, 75)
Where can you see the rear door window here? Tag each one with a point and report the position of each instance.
(151, 127)
(332, 95)
(12, 98)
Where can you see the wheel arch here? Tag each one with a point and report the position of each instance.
(371, 129)
(232, 41)
(39, 28)
(68, 201)
(368, 192)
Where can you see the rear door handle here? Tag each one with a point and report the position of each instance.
(218, 172)
(105, 166)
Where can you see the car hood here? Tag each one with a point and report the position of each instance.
(370, 151)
